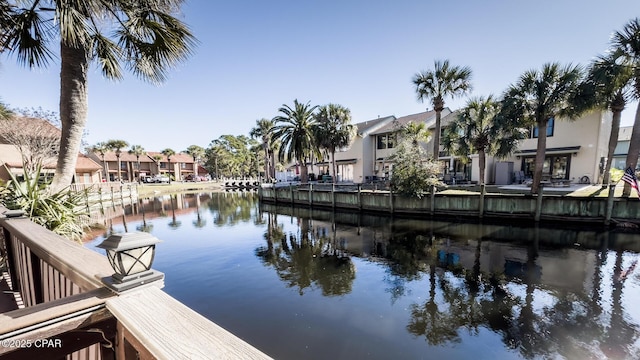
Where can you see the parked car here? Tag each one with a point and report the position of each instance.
(195, 178)
(155, 179)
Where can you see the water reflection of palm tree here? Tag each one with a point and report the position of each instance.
(199, 222)
(124, 222)
(145, 227)
(174, 224)
(305, 259)
(437, 326)
(621, 334)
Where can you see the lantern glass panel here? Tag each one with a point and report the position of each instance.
(136, 260)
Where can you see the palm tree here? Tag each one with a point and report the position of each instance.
(539, 96)
(263, 130)
(442, 82)
(101, 148)
(157, 158)
(627, 42)
(295, 130)
(141, 35)
(334, 130)
(117, 146)
(415, 132)
(608, 86)
(476, 129)
(197, 153)
(169, 153)
(138, 151)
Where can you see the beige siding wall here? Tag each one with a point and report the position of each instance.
(355, 151)
(590, 132)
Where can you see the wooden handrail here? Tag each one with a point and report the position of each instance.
(168, 329)
(82, 266)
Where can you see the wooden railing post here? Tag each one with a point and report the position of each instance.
(291, 192)
(333, 195)
(483, 192)
(609, 210)
(432, 206)
(538, 204)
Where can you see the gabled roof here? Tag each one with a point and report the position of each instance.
(364, 128)
(84, 163)
(428, 117)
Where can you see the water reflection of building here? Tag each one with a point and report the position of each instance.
(547, 256)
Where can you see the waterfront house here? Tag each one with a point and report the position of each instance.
(357, 162)
(386, 140)
(575, 152)
(182, 165)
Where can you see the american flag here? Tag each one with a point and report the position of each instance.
(630, 178)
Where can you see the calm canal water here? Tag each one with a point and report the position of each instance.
(302, 284)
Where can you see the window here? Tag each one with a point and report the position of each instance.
(550, 125)
(554, 166)
(386, 141)
(183, 165)
(163, 165)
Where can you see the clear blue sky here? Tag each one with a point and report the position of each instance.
(256, 55)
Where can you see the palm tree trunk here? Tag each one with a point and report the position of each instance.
(266, 160)
(481, 164)
(334, 166)
(540, 155)
(119, 169)
(104, 168)
(613, 141)
(73, 112)
(303, 170)
(634, 149)
(436, 137)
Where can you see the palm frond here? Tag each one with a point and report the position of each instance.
(28, 35)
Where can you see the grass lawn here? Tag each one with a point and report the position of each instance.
(145, 190)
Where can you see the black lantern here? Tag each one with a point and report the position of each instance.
(131, 256)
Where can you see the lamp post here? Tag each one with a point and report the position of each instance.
(131, 256)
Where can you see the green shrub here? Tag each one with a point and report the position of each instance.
(414, 174)
(59, 212)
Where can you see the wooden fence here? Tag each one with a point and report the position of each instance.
(104, 201)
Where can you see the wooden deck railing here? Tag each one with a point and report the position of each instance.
(69, 313)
